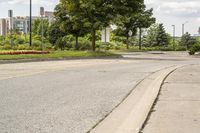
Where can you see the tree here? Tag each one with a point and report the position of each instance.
(37, 27)
(68, 14)
(43, 26)
(162, 37)
(187, 41)
(144, 20)
(87, 14)
(149, 40)
(156, 36)
(55, 33)
(126, 11)
(134, 18)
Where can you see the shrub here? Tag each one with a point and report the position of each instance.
(105, 46)
(36, 43)
(195, 48)
(22, 47)
(19, 41)
(61, 43)
(6, 47)
(84, 44)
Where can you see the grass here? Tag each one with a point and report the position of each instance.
(60, 55)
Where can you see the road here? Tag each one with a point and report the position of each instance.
(72, 96)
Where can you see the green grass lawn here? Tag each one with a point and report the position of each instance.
(60, 55)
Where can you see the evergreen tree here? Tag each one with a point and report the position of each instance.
(187, 41)
(156, 36)
(162, 37)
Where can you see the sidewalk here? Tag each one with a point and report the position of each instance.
(178, 107)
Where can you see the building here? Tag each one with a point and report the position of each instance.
(3, 27)
(21, 24)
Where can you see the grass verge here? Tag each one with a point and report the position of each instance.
(60, 55)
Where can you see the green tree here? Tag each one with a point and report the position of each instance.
(43, 26)
(37, 27)
(187, 41)
(149, 40)
(144, 20)
(162, 38)
(140, 18)
(95, 15)
(68, 14)
(156, 36)
(125, 20)
(54, 33)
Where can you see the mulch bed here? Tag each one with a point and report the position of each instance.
(23, 52)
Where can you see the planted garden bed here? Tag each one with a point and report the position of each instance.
(23, 52)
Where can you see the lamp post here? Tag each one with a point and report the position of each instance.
(42, 14)
(174, 35)
(10, 14)
(183, 28)
(30, 24)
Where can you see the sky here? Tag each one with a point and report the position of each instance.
(177, 12)
(168, 12)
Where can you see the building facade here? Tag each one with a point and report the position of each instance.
(21, 24)
(3, 27)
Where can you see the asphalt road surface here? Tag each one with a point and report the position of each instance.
(72, 96)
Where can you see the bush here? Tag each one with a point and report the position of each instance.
(84, 44)
(105, 46)
(61, 43)
(36, 43)
(19, 41)
(195, 48)
(22, 47)
(6, 47)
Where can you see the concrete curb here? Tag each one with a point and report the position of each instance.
(56, 59)
(130, 116)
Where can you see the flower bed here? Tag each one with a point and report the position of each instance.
(23, 52)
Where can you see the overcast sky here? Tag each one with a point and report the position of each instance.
(169, 12)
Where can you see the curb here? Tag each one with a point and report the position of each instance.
(56, 59)
(130, 116)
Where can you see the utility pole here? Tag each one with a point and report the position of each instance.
(30, 24)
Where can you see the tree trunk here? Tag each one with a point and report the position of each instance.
(127, 43)
(140, 38)
(93, 40)
(77, 45)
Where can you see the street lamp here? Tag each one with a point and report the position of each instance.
(30, 24)
(183, 28)
(10, 15)
(42, 14)
(174, 35)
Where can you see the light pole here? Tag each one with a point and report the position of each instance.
(183, 28)
(174, 35)
(10, 14)
(30, 24)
